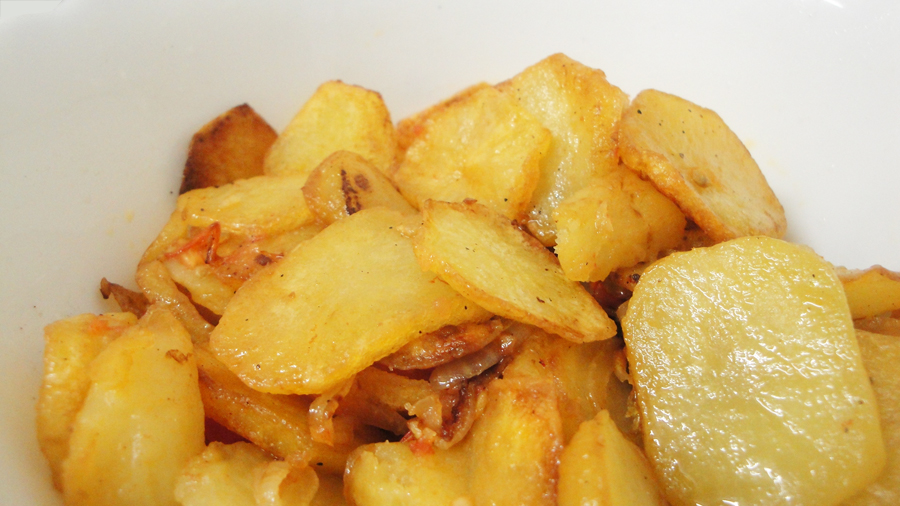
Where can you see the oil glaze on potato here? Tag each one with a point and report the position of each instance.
(749, 378)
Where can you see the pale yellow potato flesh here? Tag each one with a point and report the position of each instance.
(601, 468)
(871, 292)
(617, 221)
(692, 157)
(484, 257)
(345, 183)
(480, 146)
(70, 346)
(333, 306)
(338, 117)
(134, 432)
(749, 378)
(881, 356)
(582, 110)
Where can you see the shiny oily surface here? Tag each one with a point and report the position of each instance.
(749, 378)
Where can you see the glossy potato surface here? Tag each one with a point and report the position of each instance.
(749, 377)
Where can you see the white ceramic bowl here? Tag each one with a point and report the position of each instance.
(98, 101)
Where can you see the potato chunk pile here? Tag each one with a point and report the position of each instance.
(537, 292)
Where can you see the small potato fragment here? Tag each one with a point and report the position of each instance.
(871, 292)
(242, 474)
(70, 346)
(615, 222)
(230, 147)
(337, 117)
(345, 183)
(479, 145)
(581, 109)
(881, 356)
(744, 358)
(602, 468)
(128, 300)
(141, 421)
(333, 306)
(488, 260)
(693, 158)
(264, 205)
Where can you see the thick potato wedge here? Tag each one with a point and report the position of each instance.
(70, 346)
(615, 222)
(693, 158)
(345, 183)
(333, 306)
(134, 432)
(744, 356)
(338, 117)
(483, 256)
(230, 147)
(871, 292)
(509, 457)
(881, 356)
(479, 145)
(581, 109)
(601, 468)
(242, 474)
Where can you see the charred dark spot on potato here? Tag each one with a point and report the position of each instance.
(177, 356)
(351, 196)
(362, 182)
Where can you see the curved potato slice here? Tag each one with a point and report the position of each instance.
(333, 306)
(488, 260)
(337, 117)
(871, 292)
(693, 158)
(478, 145)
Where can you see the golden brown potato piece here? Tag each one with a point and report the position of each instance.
(338, 117)
(230, 147)
(508, 458)
(881, 324)
(881, 356)
(616, 221)
(142, 418)
(242, 474)
(443, 345)
(601, 468)
(871, 292)
(128, 300)
(484, 257)
(345, 183)
(70, 346)
(481, 146)
(744, 357)
(333, 306)
(581, 109)
(278, 424)
(693, 158)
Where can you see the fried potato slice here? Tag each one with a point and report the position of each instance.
(333, 306)
(615, 222)
(70, 346)
(693, 158)
(744, 357)
(155, 281)
(581, 109)
(479, 145)
(230, 147)
(602, 468)
(242, 474)
(337, 117)
(484, 257)
(871, 292)
(881, 356)
(141, 421)
(881, 324)
(278, 424)
(508, 458)
(345, 183)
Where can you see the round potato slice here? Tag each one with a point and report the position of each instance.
(693, 158)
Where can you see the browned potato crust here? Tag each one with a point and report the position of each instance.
(230, 147)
